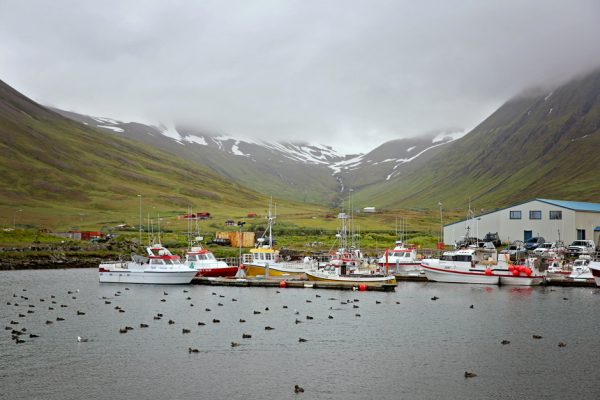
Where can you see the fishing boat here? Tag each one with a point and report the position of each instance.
(204, 261)
(265, 261)
(159, 266)
(469, 265)
(594, 268)
(580, 271)
(517, 275)
(347, 264)
(339, 274)
(401, 260)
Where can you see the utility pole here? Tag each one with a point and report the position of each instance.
(140, 196)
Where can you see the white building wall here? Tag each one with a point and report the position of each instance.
(514, 229)
(587, 221)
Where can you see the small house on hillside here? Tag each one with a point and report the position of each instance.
(230, 222)
(195, 216)
(369, 209)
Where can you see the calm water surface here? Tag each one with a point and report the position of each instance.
(418, 349)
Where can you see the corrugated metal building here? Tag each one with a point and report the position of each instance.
(247, 238)
(551, 219)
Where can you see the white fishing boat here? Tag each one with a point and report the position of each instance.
(159, 266)
(204, 261)
(347, 264)
(340, 274)
(580, 271)
(401, 260)
(470, 265)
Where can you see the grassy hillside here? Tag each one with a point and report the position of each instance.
(538, 145)
(61, 173)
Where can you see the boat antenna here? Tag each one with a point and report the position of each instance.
(158, 218)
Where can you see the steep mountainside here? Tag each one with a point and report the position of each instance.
(54, 165)
(536, 145)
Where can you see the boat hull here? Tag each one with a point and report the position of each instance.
(368, 280)
(399, 268)
(146, 276)
(215, 272)
(274, 270)
(521, 280)
(454, 276)
(595, 270)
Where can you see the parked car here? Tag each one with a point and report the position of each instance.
(534, 242)
(581, 247)
(494, 238)
(546, 249)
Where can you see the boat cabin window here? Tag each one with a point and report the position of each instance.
(156, 261)
(461, 257)
(456, 257)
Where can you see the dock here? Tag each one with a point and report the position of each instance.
(305, 284)
(297, 284)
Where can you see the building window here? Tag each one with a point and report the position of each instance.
(535, 215)
(515, 215)
(580, 234)
(555, 214)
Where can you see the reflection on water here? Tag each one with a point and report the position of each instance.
(371, 347)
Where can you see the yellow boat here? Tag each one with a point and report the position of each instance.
(259, 260)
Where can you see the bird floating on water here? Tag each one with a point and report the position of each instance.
(82, 340)
(298, 389)
(470, 374)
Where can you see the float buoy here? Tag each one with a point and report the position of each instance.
(362, 287)
(488, 271)
(282, 284)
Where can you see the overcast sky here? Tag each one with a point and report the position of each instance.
(347, 73)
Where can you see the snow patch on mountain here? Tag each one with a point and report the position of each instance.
(349, 164)
(112, 128)
(171, 132)
(410, 149)
(196, 139)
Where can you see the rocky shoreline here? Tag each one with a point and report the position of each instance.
(57, 257)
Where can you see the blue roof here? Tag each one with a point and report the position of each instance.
(574, 205)
(596, 229)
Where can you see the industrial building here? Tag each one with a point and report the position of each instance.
(552, 219)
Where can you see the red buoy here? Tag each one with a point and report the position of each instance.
(362, 287)
(511, 267)
(282, 284)
(528, 271)
(515, 272)
(522, 268)
(488, 271)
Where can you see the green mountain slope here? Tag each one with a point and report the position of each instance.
(55, 167)
(537, 145)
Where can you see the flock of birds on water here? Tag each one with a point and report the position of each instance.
(26, 307)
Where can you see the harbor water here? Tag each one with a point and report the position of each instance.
(379, 345)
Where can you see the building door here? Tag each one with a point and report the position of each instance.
(527, 235)
(580, 234)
